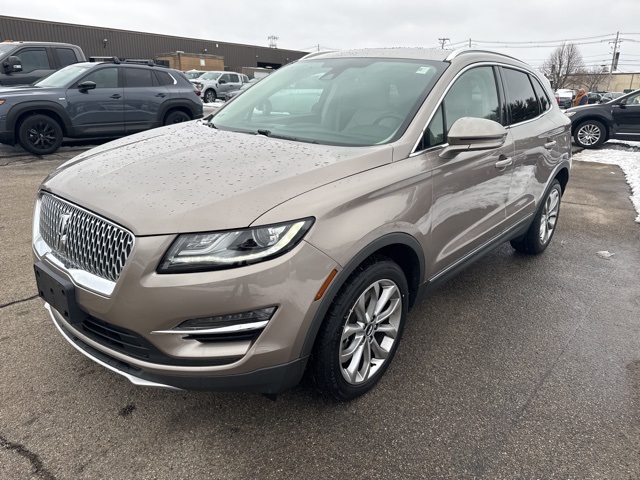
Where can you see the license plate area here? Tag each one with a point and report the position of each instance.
(58, 292)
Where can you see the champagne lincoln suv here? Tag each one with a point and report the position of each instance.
(292, 231)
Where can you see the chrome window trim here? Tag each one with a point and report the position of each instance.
(414, 150)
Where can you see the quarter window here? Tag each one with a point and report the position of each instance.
(434, 134)
(545, 103)
(521, 98)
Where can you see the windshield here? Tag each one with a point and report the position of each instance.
(6, 48)
(64, 76)
(210, 75)
(338, 101)
(193, 75)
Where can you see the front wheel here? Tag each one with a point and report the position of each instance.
(210, 96)
(361, 331)
(40, 134)
(590, 134)
(541, 231)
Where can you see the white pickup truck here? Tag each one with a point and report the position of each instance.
(214, 85)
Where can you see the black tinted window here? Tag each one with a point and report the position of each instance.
(103, 78)
(521, 99)
(66, 56)
(33, 59)
(137, 77)
(434, 134)
(474, 94)
(164, 78)
(545, 103)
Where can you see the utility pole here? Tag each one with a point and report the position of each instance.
(614, 63)
(469, 43)
(443, 41)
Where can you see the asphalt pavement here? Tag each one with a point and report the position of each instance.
(519, 367)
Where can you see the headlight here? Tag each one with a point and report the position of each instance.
(198, 252)
(569, 114)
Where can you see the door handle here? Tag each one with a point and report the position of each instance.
(504, 162)
(160, 95)
(550, 144)
(115, 95)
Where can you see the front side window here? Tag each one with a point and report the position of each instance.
(103, 78)
(521, 98)
(33, 59)
(233, 78)
(474, 94)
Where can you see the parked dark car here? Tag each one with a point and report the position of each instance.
(592, 125)
(594, 97)
(608, 96)
(106, 99)
(22, 63)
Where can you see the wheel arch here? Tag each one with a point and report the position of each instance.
(16, 117)
(177, 108)
(401, 248)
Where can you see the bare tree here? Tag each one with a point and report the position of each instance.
(591, 78)
(564, 61)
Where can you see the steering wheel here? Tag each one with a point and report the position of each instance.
(395, 116)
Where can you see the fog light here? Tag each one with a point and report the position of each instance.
(223, 324)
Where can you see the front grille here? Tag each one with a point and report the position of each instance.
(83, 240)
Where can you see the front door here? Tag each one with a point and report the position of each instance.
(627, 117)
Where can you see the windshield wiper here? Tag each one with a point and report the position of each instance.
(268, 133)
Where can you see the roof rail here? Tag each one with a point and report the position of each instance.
(464, 50)
(315, 54)
(140, 61)
(104, 59)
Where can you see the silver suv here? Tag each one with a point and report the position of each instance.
(215, 85)
(292, 231)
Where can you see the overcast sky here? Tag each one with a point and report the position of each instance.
(307, 24)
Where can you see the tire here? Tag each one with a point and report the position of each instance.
(590, 134)
(351, 335)
(541, 231)
(210, 96)
(40, 134)
(176, 116)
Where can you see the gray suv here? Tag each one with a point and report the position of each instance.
(104, 99)
(241, 251)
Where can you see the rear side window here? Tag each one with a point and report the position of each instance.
(67, 56)
(521, 99)
(33, 59)
(137, 78)
(543, 98)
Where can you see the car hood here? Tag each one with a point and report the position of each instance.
(12, 90)
(588, 108)
(190, 177)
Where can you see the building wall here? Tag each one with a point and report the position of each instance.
(187, 61)
(99, 41)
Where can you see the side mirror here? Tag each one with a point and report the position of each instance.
(13, 64)
(222, 82)
(88, 85)
(469, 134)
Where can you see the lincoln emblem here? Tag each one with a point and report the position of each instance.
(61, 240)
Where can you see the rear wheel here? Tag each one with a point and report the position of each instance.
(40, 134)
(590, 134)
(177, 116)
(541, 231)
(210, 96)
(361, 331)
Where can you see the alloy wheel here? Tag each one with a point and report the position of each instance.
(589, 134)
(370, 331)
(41, 135)
(549, 215)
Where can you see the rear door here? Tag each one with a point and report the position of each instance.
(143, 99)
(537, 140)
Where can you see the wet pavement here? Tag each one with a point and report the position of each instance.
(519, 367)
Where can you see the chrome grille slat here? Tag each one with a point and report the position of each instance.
(93, 244)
